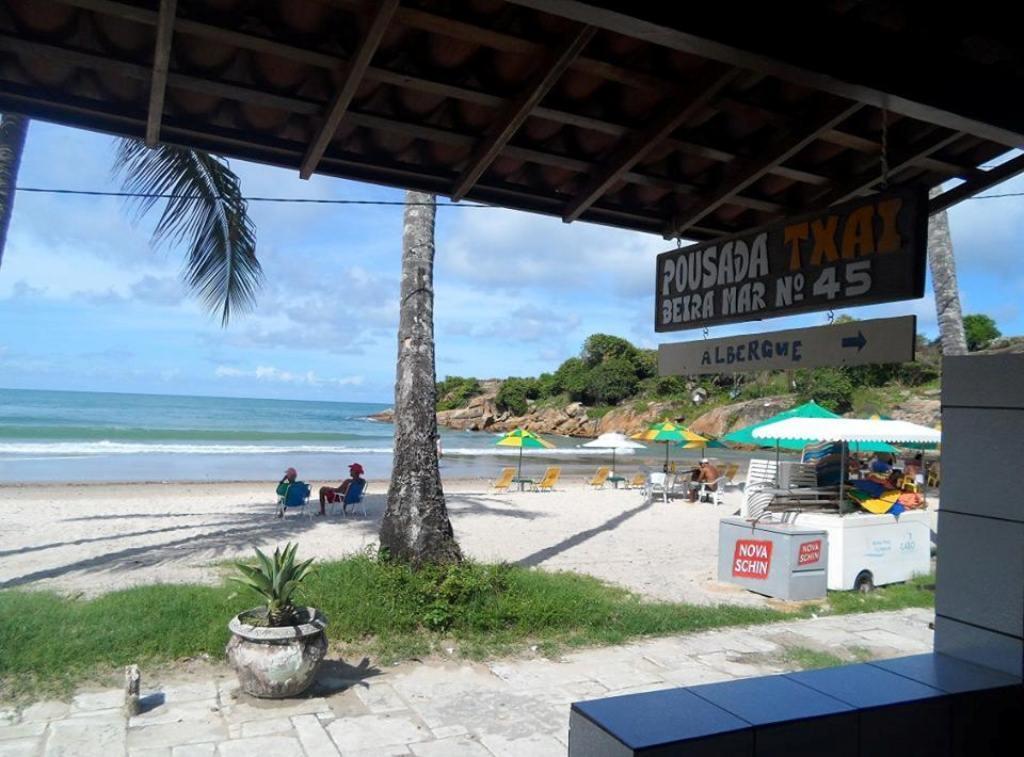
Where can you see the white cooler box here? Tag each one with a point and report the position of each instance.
(781, 560)
(878, 548)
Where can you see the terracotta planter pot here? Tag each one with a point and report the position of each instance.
(273, 663)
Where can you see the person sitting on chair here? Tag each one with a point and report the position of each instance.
(337, 494)
(913, 469)
(289, 478)
(707, 474)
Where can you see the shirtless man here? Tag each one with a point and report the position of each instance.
(707, 474)
(337, 493)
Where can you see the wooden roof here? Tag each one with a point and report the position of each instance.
(669, 118)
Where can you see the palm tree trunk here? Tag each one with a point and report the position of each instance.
(13, 130)
(416, 528)
(944, 283)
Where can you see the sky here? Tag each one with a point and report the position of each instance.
(87, 304)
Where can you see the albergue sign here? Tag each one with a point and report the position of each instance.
(866, 251)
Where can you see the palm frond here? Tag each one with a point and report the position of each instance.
(205, 211)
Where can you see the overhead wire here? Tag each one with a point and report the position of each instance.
(330, 201)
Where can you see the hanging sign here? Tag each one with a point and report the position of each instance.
(880, 340)
(866, 251)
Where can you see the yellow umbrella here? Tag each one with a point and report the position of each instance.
(522, 438)
(668, 433)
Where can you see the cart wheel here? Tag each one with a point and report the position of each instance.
(864, 582)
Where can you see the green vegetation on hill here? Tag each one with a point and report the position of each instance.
(979, 331)
(610, 371)
(456, 391)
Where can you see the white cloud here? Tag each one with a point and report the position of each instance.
(159, 290)
(512, 251)
(273, 374)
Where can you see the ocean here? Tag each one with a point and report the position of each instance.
(91, 436)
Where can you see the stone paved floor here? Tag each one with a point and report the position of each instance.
(510, 707)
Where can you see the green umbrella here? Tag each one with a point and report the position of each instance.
(668, 433)
(522, 438)
(808, 410)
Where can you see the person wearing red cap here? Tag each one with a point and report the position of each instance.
(287, 480)
(337, 493)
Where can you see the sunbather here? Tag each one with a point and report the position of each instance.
(707, 474)
(337, 493)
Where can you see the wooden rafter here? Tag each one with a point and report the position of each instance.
(161, 63)
(745, 173)
(502, 42)
(945, 96)
(306, 107)
(988, 178)
(638, 144)
(353, 76)
(517, 110)
(901, 157)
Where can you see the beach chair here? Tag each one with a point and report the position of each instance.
(600, 477)
(353, 497)
(504, 479)
(761, 475)
(680, 483)
(547, 483)
(715, 495)
(294, 497)
(730, 474)
(657, 482)
(934, 477)
(639, 481)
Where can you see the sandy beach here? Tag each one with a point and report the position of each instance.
(94, 538)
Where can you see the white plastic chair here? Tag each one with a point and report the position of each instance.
(713, 495)
(656, 482)
(761, 474)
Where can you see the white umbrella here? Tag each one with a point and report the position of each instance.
(849, 430)
(614, 441)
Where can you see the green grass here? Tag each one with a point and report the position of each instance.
(918, 592)
(49, 643)
(805, 658)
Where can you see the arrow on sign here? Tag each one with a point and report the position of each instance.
(855, 341)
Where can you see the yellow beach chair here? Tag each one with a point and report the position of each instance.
(730, 473)
(504, 480)
(600, 477)
(639, 481)
(547, 483)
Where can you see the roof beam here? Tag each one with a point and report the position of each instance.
(419, 84)
(954, 94)
(745, 173)
(901, 158)
(354, 75)
(638, 144)
(989, 178)
(161, 62)
(517, 110)
(369, 120)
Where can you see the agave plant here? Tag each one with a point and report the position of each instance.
(275, 579)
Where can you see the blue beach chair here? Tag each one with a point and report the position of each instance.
(353, 497)
(294, 497)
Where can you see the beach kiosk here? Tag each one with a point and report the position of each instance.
(864, 549)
